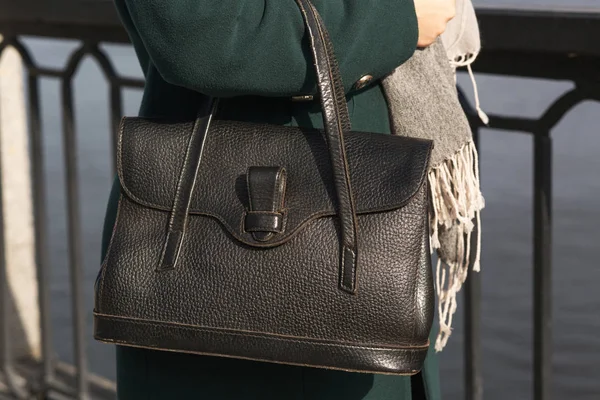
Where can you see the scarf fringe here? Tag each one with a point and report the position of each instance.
(457, 202)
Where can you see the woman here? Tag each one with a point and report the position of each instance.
(254, 55)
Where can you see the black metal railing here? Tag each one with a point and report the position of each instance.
(554, 45)
(46, 382)
(573, 56)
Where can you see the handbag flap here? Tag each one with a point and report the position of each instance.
(385, 170)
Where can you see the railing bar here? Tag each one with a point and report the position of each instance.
(38, 190)
(516, 124)
(560, 107)
(542, 270)
(74, 234)
(472, 344)
(472, 294)
(116, 103)
(62, 388)
(130, 82)
(57, 73)
(47, 72)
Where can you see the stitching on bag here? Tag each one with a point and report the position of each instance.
(343, 270)
(250, 203)
(259, 335)
(205, 353)
(354, 272)
(104, 265)
(418, 269)
(311, 217)
(414, 298)
(283, 176)
(292, 235)
(287, 236)
(120, 146)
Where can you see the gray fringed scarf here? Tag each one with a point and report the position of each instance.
(423, 103)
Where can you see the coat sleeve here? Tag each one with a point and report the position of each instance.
(258, 47)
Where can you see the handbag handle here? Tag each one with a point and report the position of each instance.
(336, 121)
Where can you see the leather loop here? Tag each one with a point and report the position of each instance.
(263, 224)
(266, 188)
(266, 191)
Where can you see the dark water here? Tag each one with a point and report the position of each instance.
(507, 256)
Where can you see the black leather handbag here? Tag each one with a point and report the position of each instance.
(272, 243)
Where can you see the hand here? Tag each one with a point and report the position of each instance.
(433, 16)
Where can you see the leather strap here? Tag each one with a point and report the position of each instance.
(185, 188)
(336, 121)
(266, 194)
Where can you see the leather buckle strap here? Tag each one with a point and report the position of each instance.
(266, 192)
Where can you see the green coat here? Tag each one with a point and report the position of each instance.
(253, 54)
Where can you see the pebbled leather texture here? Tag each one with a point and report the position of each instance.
(290, 290)
(256, 228)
